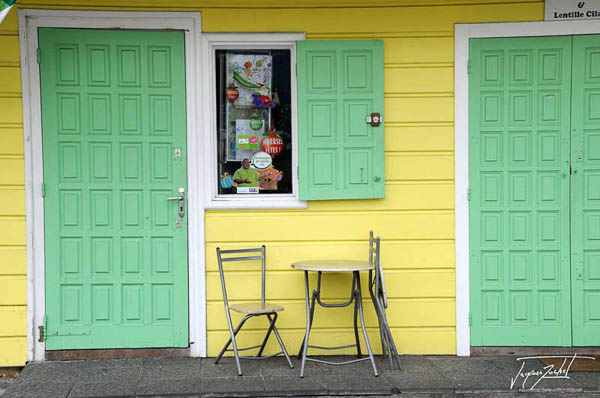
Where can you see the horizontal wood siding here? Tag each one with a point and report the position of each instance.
(415, 220)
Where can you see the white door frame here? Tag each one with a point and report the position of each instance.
(462, 34)
(29, 22)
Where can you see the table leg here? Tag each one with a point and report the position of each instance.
(312, 316)
(358, 353)
(308, 322)
(362, 324)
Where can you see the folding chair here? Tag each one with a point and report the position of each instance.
(249, 310)
(379, 297)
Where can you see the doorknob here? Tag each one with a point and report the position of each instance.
(181, 199)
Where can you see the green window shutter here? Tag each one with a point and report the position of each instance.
(340, 83)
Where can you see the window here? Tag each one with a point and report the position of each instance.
(253, 122)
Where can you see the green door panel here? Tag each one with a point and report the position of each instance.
(340, 83)
(520, 90)
(113, 113)
(585, 193)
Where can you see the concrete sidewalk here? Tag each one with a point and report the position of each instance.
(422, 376)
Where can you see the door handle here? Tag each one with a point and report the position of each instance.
(181, 199)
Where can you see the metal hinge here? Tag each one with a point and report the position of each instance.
(42, 328)
(43, 190)
(298, 172)
(39, 55)
(469, 194)
(468, 67)
(470, 318)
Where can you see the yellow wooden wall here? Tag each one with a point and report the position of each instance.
(415, 220)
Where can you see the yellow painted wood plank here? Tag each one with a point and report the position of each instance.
(404, 196)
(418, 80)
(13, 290)
(11, 111)
(12, 171)
(13, 351)
(408, 341)
(389, 19)
(408, 313)
(419, 138)
(394, 254)
(407, 166)
(14, 321)
(10, 24)
(11, 141)
(301, 225)
(193, 4)
(290, 285)
(411, 50)
(419, 109)
(10, 80)
(12, 232)
(13, 260)
(10, 50)
(12, 202)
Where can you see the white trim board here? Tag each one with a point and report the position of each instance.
(464, 32)
(29, 22)
(210, 43)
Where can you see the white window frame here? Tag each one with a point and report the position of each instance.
(29, 22)
(250, 41)
(463, 33)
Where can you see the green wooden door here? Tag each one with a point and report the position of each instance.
(341, 156)
(520, 93)
(113, 117)
(585, 193)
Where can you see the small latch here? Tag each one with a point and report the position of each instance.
(177, 153)
(41, 338)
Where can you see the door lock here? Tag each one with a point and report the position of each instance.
(374, 119)
(181, 201)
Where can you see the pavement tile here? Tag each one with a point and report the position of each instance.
(312, 368)
(233, 386)
(46, 389)
(282, 386)
(359, 383)
(78, 371)
(278, 366)
(410, 363)
(479, 382)
(411, 382)
(469, 365)
(169, 387)
(588, 381)
(171, 368)
(226, 367)
(98, 389)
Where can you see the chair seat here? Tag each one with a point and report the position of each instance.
(256, 308)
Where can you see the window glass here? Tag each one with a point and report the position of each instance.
(254, 124)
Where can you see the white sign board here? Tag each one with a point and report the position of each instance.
(562, 10)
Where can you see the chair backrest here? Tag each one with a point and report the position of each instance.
(375, 260)
(224, 256)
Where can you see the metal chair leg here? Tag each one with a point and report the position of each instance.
(271, 325)
(362, 324)
(235, 332)
(282, 346)
(233, 342)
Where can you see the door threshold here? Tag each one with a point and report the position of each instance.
(529, 350)
(117, 353)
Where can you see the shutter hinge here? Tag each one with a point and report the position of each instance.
(470, 318)
(468, 194)
(43, 189)
(296, 70)
(39, 55)
(297, 171)
(42, 328)
(468, 67)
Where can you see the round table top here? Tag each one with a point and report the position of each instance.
(332, 265)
